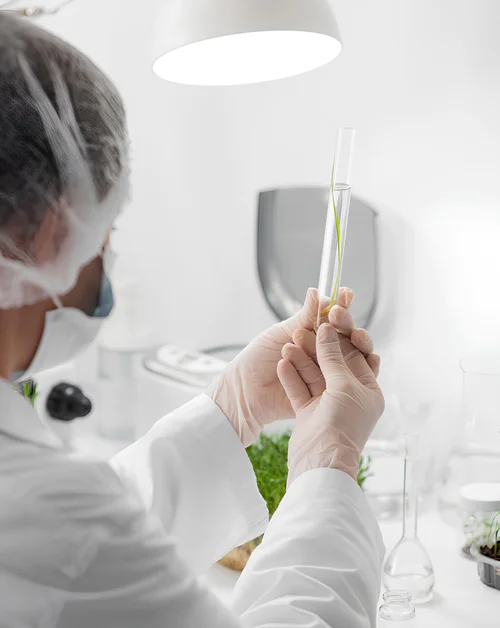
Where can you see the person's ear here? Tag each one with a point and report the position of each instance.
(47, 238)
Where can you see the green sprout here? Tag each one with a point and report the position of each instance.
(337, 226)
(494, 533)
(364, 470)
(333, 296)
(482, 533)
(269, 458)
(30, 391)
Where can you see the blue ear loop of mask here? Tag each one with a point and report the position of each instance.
(105, 301)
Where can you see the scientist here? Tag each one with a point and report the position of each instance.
(84, 543)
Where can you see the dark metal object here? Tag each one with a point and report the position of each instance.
(67, 402)
(489, 572)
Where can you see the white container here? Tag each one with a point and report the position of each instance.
(479, 509)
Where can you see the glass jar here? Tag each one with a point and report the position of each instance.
(479, 517)
(475, 456)
(397, 607)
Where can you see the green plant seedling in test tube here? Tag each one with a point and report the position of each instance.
(336, 225)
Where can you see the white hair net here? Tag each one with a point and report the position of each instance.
(63, 159)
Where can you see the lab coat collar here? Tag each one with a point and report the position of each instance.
(20, 420)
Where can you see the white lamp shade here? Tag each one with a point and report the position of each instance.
(235, 42)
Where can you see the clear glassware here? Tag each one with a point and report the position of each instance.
(408, 566)
(475, 456)
(336, 224)
(385, 452)
(397, 606)
(386, 447)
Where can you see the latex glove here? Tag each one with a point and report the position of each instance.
(337, 412)
(249, 392)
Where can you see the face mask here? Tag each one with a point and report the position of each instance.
(68, 331)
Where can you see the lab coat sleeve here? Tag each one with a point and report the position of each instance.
(193, 473)
(320, 563)
(126, 571)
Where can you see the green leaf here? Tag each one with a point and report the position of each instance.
(364, 470)
(30, 391)
(494, 533)
(339, 248)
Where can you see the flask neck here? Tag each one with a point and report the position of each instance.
(411, 489)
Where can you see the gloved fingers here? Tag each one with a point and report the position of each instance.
(306, 367)
(342, 320)
(306, 317)
(345, 298)
(328, 349)
(355, 361)
(308, 314)
(373, 361)
(359, 341)
(296, 390)
(306, 340)
(370, 381)
(362, 340)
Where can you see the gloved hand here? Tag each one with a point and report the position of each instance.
(335, 415)
(249, 391)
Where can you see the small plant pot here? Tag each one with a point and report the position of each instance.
(489, 571)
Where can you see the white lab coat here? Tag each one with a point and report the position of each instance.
(84, 545)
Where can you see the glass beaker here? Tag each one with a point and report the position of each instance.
(475, 456)
(385, 452)
(386, 449)
(337, 217)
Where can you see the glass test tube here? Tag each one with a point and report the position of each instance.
(336, 225)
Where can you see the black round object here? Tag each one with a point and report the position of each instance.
(67, 402)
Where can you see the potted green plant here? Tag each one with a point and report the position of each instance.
(488, 555)
(269, 456)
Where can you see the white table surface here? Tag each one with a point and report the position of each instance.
(461, 600)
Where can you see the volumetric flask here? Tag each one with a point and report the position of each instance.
(475, 457)
(408, 566)
(336, 225)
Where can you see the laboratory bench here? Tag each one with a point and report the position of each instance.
(460, 600)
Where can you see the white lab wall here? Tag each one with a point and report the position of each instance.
(419, 80)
